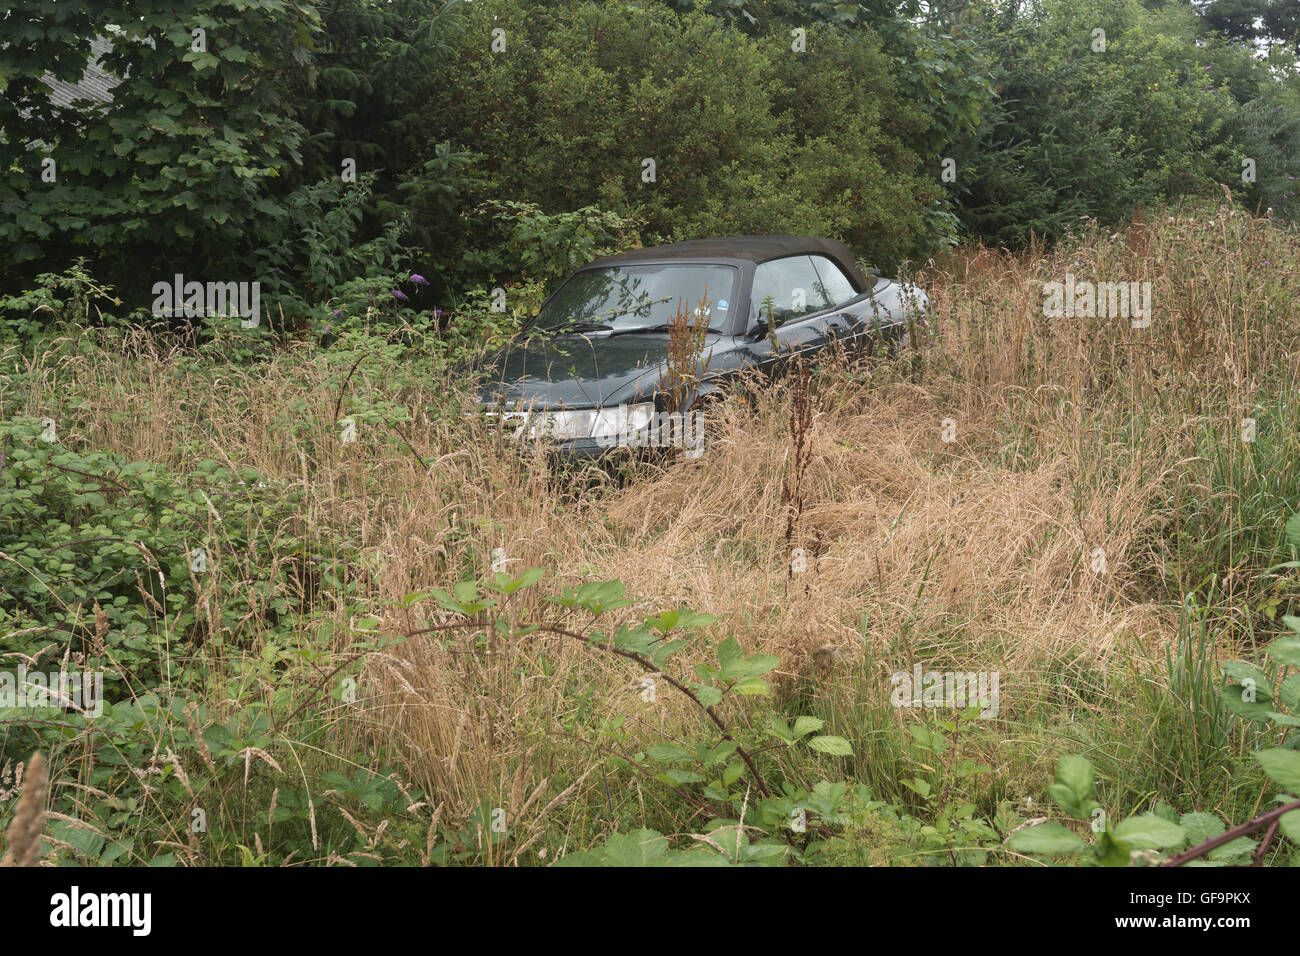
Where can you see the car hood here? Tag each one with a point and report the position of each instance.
(572, 370)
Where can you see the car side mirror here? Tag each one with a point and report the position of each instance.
(777, 319)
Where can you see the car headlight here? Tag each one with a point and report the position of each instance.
(623, 422)
(608, 426)
(556, 426)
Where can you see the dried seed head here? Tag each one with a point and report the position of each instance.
(25, 829)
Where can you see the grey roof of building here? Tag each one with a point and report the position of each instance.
(95, 84)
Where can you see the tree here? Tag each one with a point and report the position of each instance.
(176, 170)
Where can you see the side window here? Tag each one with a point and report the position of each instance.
(834, 283)
(793, 286)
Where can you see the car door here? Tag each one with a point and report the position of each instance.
(791, 292)
(859, 315)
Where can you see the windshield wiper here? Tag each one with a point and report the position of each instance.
(579, 327)
(652, 328)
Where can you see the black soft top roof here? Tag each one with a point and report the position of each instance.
(755, 248)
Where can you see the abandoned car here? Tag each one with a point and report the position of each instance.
(595, 370)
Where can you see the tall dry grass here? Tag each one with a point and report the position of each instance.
(1072, 436)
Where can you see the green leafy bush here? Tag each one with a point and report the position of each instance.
(745, 136)
(101, 557)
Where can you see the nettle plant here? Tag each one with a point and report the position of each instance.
(942, 784)
(750, 821)
(1265, 696)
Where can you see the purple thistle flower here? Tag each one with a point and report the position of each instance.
(326, 330)
(418, 279)
(338, 313)
(398, 294)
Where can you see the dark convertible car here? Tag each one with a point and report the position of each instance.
(587, 373)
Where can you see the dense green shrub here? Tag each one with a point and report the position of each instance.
(1085, 131)
(234, 160)
(746, 136)
(99, 557)
(174, 173)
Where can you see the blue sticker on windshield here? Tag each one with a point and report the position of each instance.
(722, 304)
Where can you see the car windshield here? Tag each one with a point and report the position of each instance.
(633, 296)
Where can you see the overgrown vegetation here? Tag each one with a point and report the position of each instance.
(340, 621)
(408, 640)
(328, 151)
